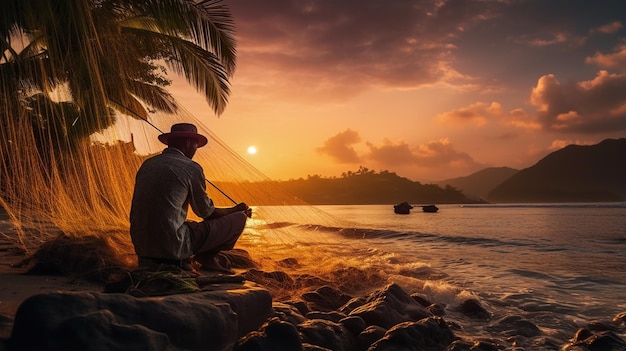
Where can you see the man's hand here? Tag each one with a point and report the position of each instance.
(248, 212)
(223, 211)
(244, 208)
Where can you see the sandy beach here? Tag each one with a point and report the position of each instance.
(16, 286)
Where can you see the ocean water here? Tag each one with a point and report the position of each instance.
(559, 266)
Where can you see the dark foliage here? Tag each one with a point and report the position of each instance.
(369, 187)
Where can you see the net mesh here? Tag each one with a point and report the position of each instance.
(82, 101)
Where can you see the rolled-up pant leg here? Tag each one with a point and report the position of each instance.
(214, 235)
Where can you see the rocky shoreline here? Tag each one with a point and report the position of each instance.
(243, 316)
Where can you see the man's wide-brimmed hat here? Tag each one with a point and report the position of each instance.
(183, 130)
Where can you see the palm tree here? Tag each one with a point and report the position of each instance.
(68, 68)
(112, 54)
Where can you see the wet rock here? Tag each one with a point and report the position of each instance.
(99, 331)
(274, 335)
(436, 309)
(333, 316)
(352, 304)
(620, 318)
(326, 298)
(606, 341)
(309, 347)
(473, 309)
(421, 300)
(454, 325)
(390, 306)
(601, 341)
(369, 336)
(276, 279)
(427, 334)
(330, 335)
(461, 345)
(582, 334)
(288, 313)
(300, 305)
(513, 326)
(96, 321)
(354, 324)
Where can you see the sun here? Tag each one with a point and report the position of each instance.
(252, 149)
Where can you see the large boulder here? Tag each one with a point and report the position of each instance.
(600, 341)
(325, 298)
(99, 321)
(474, 309)
(326, 334)
(390, 306)
(368, 336)
(274, 335)
(428, 334)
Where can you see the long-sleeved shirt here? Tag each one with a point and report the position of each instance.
(165, 186)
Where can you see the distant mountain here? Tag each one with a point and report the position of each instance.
(573, 174)
(478, 185)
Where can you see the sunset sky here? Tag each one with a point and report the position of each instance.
(429, 89)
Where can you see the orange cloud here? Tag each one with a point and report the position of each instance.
(616, 60)
(592, 107)
(481, 113)
(478, 113)
(520, 119)
(339, 147)
(441, 152)
(609, 28)
(390, 154)
(335, 50)
(557, 38)
(427, 158)
(550, 39)
(430, 156)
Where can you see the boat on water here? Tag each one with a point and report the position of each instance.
(402, 208)
(430, 208)
(405, 208)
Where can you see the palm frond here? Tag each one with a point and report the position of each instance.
(203, 70)
(222, 31)
(154, 96)
(208, 24)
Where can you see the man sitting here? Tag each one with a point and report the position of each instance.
(165, 186)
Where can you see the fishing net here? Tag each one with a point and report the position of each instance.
(83, 98)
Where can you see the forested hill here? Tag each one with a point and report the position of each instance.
(368, 187)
